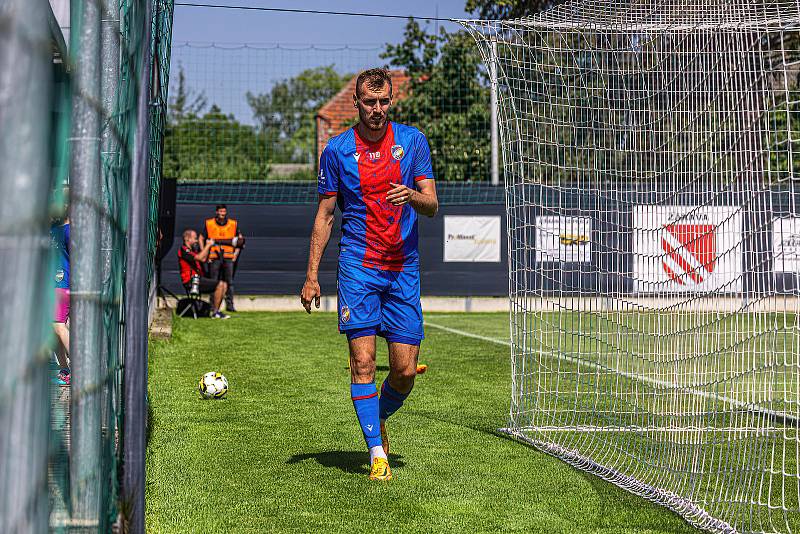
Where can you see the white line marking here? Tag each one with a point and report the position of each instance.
(781, 416)
(468, 334)
(646, 429)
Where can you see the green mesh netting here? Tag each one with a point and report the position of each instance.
(69, 116)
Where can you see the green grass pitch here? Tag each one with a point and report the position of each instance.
(283, 452)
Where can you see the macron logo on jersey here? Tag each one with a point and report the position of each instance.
(357, 155)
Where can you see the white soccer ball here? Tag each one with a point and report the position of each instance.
(213, 385)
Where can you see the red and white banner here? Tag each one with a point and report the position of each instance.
(687, 248)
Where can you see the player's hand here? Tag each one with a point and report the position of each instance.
(210, 242)
(400, 194)
(310, 292)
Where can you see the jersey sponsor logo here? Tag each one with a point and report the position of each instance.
(690, 252)
(60, 275)
(357, 156)
(345, 315)
(374, 156)
(398, 152)
(321, 177)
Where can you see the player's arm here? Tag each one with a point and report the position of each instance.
(423, 199)
(320, 235)
(238, 249)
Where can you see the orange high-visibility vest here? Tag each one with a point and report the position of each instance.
(216, 232)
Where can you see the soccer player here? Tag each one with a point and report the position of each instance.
(379, 173)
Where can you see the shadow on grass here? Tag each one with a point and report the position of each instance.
(347, 461)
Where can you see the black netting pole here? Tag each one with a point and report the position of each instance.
(135, 381)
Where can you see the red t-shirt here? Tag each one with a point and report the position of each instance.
(188, 264)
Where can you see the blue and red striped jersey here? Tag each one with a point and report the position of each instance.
(375, 233)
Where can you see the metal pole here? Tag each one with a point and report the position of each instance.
(25, 108)
(495, 138)
(110, 61)
(85, 282)
(135, 382)
(110, 37)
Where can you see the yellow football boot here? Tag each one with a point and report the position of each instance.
(421, 368)
(380, 470)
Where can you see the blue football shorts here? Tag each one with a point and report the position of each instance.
(383, 303)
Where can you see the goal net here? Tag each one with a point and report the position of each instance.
(654, 247)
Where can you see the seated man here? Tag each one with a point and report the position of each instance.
(190, 258)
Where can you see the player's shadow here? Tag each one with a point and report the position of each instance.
(347, 461)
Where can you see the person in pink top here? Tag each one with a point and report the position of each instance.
(59, 241)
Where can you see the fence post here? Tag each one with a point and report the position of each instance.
(135, 381)
(85, 281)
(25, 116)
(110, 161)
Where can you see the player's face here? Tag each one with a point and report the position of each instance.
(373, 106)
(222, 213)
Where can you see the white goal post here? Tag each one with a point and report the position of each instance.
(654, 247)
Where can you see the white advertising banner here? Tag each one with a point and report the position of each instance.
(687, 248)
(471, 239)
(786, 245)
(563, 239)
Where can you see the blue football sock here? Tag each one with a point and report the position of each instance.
(391, 400)
(365, 401)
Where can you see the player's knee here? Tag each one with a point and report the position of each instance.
(405, 376)
(362, 367)
(223, 285)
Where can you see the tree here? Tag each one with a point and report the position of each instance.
(211, 145)
(185, 103)
(508, 9)
(285, 115)
(447, 98)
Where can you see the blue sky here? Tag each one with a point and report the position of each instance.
(226, 71)
(218, 25)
